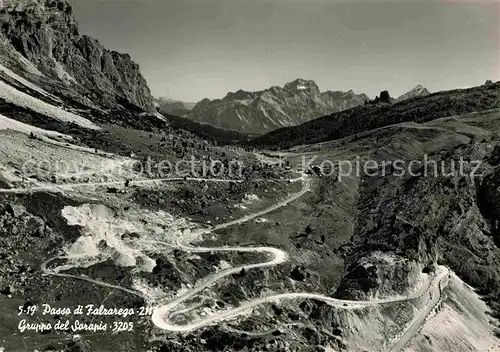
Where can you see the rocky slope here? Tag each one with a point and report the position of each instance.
(257, 112)
(40, 38)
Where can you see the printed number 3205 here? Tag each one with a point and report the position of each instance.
(119, 326)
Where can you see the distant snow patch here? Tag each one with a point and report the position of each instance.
(29, 66)
(239, 116)
(22, 80)
(10, 124)
(14, 96)
(160, 116)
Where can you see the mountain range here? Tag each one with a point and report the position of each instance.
(172, 106)
(257, 112)
(296, 102)
(361, 119)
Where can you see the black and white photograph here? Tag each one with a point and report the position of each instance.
(249, 175)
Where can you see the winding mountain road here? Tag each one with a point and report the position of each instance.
(162, 315)
(439, 282)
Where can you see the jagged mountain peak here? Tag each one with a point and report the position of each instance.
(202, 103)
(417, 91)
(60, 7)
(420, 89)
(301, 84)
(296, 102)
(239, 94)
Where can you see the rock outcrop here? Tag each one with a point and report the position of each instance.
(385, 97)
(45, 32)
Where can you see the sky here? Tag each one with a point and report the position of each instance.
(190, 50)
